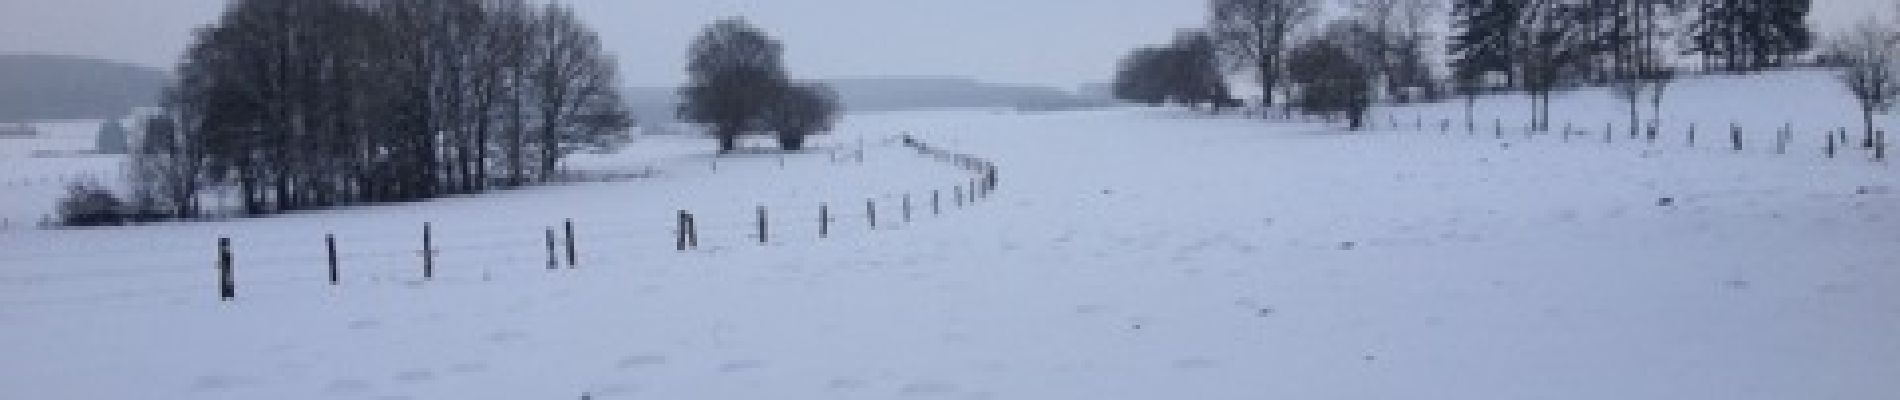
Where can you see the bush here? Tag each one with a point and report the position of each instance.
(89, 204)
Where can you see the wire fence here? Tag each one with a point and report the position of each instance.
(1786, 139)
(327, 258)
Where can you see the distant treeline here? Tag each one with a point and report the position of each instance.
(1338, 65)
(300, 104)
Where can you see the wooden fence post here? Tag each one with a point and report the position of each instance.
(906, 208)
(1781, 139)
(692, 231)
(680, 232)
(824, 220)
(428, 252)
(553, 260)
(1609, 133)
(763, 232)
(573, 256)
(1498, 125)
(1831, 138)
(1691, 134)
(329, 245)
(1735, 136)
(958, 192)
(227, 283)
(1880, 145)
(936, 203)
(870, 212)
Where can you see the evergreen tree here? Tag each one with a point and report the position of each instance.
(1483, 37)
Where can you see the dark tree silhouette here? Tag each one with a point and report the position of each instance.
(735, 72)
(1743, 35)
(312, 103)
(802, 111)
(1871, 52)
(1332, 80)
(1254, 36)
(1186, 71)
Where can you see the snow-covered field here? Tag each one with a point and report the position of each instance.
(30, 182)
(1129, 254)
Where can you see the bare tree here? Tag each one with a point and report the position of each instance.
(1872, 74)
(1255, 34)
(734, 71)
(305, 103)
(1549, 48)
(1398, 32)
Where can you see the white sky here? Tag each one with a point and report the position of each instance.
(1054, 42)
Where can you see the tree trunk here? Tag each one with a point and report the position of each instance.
(1867, 119)
(1635, 116)
(1266, 87)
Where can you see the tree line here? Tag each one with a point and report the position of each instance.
(1386, 49)
(299, 104)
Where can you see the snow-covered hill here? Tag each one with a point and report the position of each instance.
(1129, 254)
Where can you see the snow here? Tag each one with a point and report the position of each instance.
(1129, 254)
(34, 170)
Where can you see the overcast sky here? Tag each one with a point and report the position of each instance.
(1054, 42)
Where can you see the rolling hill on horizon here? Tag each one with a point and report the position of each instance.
(41, 87)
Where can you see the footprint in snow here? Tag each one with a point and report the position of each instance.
(741, 366)
(506, 336)
(469, 367)
(211, 383)
(346, 386)
(612, 390)
(415, 376)
(1195, 364)
(927, 388)
(845, 384)
(640, 361)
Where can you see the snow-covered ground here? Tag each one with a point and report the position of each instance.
(35, 170)
(1129, 254)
